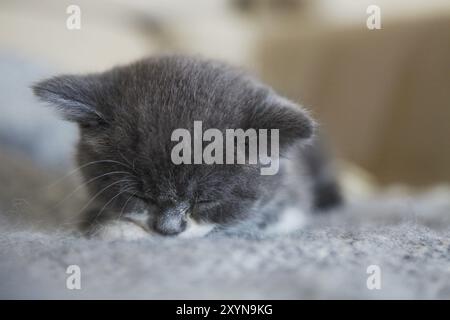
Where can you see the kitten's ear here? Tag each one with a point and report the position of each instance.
(75, 97)
(292, 121)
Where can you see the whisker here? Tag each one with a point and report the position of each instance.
(107, 203)
(77, 221)
(97, 194)
(126, 203)
(86, 183)
(81, 167)
(126, 160)
(130, 184)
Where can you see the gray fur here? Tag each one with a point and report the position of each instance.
(127, 115)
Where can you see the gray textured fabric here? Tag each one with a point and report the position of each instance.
(408, 238)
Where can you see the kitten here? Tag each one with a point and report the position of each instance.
(126, 118)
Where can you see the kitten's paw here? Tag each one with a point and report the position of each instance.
(121, 230)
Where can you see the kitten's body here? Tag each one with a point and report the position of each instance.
(126, 118)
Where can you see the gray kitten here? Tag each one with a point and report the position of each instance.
(126, 118)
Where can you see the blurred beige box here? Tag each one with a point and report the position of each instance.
(382, 96)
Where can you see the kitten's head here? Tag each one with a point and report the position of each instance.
(126, 118)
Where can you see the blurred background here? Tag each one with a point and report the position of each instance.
(382, 96)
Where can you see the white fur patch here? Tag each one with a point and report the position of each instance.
(139, 218)
(196, 230)
(137, 228)
(123, 230)
(291, 219)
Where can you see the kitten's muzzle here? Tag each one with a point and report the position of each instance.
(172, 220)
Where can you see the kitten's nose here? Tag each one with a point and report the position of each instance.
(171, 221)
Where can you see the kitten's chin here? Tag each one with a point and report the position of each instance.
(193, 229)
(134, 226)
